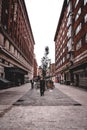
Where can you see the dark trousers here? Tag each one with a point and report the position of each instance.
(42, 87)
(42, 92)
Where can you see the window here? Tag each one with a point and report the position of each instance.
(78, 14)
(1, 39)
(69, 32)
(18, 55)
(69, 8)
(63, 33)
(79, 44)
(85, 2)
(69, 44)
(67, 56)
(0, 61)
(78, 29)
(69, 20)
(77, 1)
(85, 18)
(63, 41)
(7, 45)
(15, 11)
(63, 50)
(63, 25)
(63, 59)
(15, 52)
(86, 38)
(12, 48)
(5, 27)
(67, 1)
(6, 11)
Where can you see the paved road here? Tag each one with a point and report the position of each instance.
(51, 98)
(64, 108)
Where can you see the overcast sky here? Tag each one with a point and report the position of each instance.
(44, 16)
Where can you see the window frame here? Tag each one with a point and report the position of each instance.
(78, 45)
(78, 28)
(78, 14)
(76, 3)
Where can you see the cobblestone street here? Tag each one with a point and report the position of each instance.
(63, 108)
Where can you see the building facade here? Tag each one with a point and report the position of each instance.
(35, 67)
(52, 71)
(71, 44)
(16, 42)
(39, 71)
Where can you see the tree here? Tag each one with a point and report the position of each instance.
(45, 62)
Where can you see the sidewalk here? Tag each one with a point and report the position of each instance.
(11, 95)
(78, 94)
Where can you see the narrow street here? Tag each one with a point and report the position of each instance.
(63, 108)
(43, 42)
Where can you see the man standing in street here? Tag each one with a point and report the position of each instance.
(32, 83)
(42, 86)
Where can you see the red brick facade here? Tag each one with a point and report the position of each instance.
(71, 43)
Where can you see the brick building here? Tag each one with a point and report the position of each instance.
(35, 67)
(16, 42)
(52, 71)
(39, 71)
(71, 43)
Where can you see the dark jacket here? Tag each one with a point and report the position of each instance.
(42, 85)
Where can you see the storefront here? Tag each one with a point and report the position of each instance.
(15, 75)
(1, 71)
(80, 75)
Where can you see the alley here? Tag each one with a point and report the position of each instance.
(63, 108)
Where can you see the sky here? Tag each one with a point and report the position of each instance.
(44, 16)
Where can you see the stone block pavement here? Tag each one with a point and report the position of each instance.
(11, 95)
(55, 111)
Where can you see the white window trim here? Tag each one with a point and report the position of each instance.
(77, 1)
(85, 2)
(78, 45)
(85, 18)
(78, 14)
(86, 38)
(78, 28)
